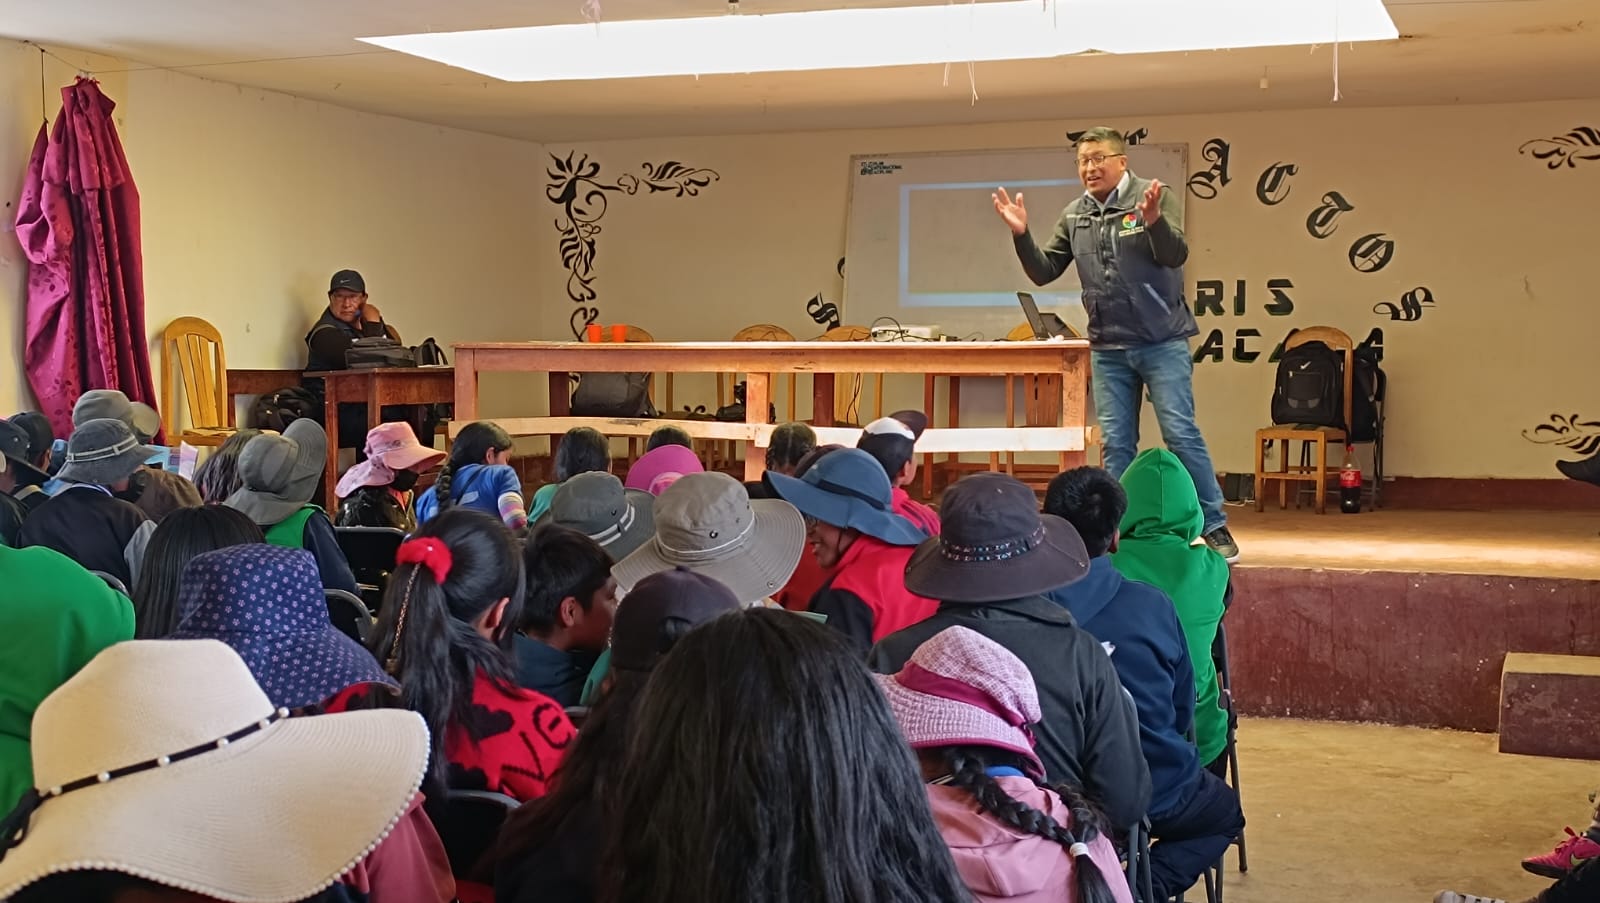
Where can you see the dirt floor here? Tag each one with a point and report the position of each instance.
(1377, 814)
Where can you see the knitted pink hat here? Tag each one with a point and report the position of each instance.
(961, 688)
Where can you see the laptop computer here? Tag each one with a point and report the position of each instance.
(1045, 325)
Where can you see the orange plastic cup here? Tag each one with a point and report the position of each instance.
(619, 332)
(591, 332)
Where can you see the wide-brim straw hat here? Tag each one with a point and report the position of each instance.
(250, 807)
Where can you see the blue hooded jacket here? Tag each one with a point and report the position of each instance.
(1152, 660)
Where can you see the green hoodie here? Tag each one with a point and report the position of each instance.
(54, 617)
(1157, 546)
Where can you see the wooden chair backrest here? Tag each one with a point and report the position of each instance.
(761, 332)
(638, 334)
(195, 346)
(1338, 340)
(850, 388)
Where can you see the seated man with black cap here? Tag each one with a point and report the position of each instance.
(990, 568)
(350, 316)
(856, 535)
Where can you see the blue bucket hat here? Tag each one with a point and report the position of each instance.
(268, 603)
(849, 488)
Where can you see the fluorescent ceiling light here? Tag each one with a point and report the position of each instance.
(951, 32)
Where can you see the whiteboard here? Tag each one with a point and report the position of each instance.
(924, 246)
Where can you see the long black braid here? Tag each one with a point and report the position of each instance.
(968, 771)
(472, 445)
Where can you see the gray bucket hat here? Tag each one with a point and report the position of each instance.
(104, 451)
(596, 505)
(280, 473)
(97, 404)
(708, 523)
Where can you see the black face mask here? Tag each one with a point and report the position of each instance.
(136, 485)
(403, 480)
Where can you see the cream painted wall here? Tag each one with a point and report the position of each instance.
(1503, 243)
(251, 199)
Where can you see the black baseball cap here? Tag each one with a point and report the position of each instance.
(40, 433)
(15, 448)
(349, 280)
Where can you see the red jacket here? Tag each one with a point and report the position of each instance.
(866, 598)
(914, 511)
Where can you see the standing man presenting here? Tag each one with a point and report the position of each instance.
(1130, 252)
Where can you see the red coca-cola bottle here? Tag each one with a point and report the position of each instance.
(1350, 483)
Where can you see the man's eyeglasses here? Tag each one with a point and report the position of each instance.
(1097, 159)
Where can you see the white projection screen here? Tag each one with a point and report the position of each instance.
(924, 246)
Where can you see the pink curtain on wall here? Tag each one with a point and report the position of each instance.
(78, 223)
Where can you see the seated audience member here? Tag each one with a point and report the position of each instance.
(661, 467)
(1581, 885)
(817, 796)
(217, 477)
(991, 565)
(153, 489)
(184, 534)
(892, 441)
(280, 476)
(377, 492)
(20, 479)
(348, 317)
(268, 604)
(1194, 815)
(1157, 546)
(302, 798)
(550, 849)
(90, 520)
(861, 543)
(788, 444)
(477, 476)
(41, 437)
(445, 633)
(596, 505)
(54, 617)
(809, 574)
(668, 435)
(706, 523)
(582, 449)
(566, 622)
(965, 704)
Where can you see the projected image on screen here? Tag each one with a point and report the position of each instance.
(945, 267)
(927, 249)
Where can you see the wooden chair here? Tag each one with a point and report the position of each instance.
(195, 347)
(1313, 439)
(850, 389)
(717, 452)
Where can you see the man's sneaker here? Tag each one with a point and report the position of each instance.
(1568, 855)
(1221, 542)
(1450, 896)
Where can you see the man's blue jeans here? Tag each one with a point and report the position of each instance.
(1167, 370)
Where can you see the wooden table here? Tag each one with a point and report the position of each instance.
(760, 360)
(377, 388)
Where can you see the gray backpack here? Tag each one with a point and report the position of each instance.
(622, 395)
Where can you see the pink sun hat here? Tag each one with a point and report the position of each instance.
(658, 461)
(390, 447)
(961, 688)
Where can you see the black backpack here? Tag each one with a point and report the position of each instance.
(276, 410)
(1369, 384)
(621, 395)
(1309, 389)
